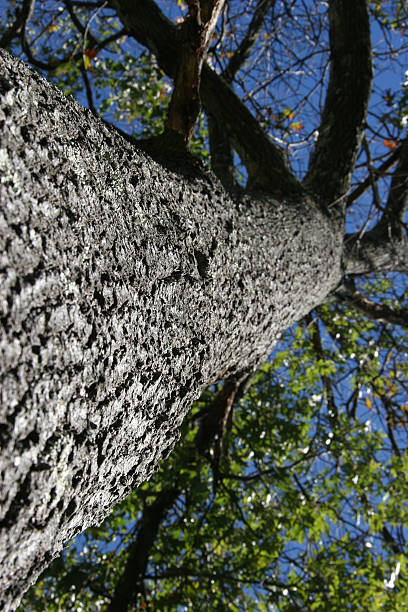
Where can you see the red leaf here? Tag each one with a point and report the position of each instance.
(390, 144)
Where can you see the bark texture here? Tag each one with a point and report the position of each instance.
(126, 287)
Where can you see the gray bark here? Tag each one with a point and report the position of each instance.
(127, 286)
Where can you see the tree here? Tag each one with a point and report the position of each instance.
(129, 281)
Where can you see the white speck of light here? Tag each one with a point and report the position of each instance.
(391, 582)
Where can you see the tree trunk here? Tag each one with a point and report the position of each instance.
(127, 286)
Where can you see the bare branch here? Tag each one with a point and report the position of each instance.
(77, 22)
(241, 54)
(377, 173)
(23, 16)
(342, 125)
(390, 223)
(316, 340)
(385, 247)
(372, 310)
(52, 65)
(222, 157)
(88, 90)
(371, 174)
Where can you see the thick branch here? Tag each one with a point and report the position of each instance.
(131, 580)
(263, 160)
(372, 253)
(341, 129)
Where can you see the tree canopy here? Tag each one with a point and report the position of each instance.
(287, 490)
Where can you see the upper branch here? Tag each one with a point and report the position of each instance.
(222, 156)
(385, 247)
(392, 218)
(242, 52)
(264, 162)
(375, 174)
(194, 36)
(341, 129)
(23, 15)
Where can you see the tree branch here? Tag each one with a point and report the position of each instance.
(243, 51)
(131, 580)
(390, 223)
(385, 247)
(342, 125)
(368, 254)
(377, 172)
(194, 36)
(315, 337)
(264, 162)
(379, 312)
(88, 90)
(222, 157)
(23, 15)
(49, 66)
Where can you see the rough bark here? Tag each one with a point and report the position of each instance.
(127, 286)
